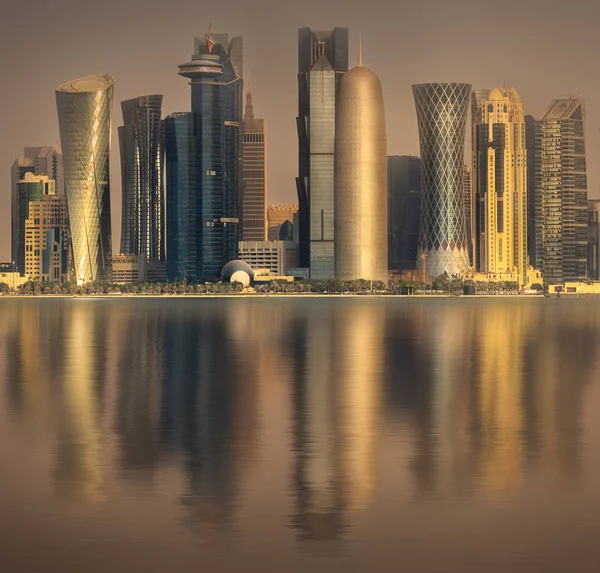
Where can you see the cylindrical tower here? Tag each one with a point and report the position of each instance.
(84, 119)
(360, 178)
(441, 116)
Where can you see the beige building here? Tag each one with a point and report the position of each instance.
(501, 167)
(46, 239)
(11, 277)
(254, 174)
(277, 215)
(129, 269)
(276, 256)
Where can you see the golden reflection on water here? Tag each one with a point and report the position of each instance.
(487, 396)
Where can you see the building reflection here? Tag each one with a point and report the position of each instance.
(335, 415)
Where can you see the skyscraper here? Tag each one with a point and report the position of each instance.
(441, 115)
(141, 142)
(277, 215)
(533, 142)
(84, 118)
(593, 262)
(360, 178)
(404, 211)
(31, 188)
(564, 192)
(181, 196)
(215, 74)
(322, 60)
(45, 160)
(468, 205)
(501, 165)
(254, 174)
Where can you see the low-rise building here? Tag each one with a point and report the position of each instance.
(129, 269)
(11, 277)
(585, 288)
(277, 256)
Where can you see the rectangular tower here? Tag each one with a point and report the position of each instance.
(404, 211)
(501, 164)
(533, 142)
(254, 174)
(564, 192)
(322, 58)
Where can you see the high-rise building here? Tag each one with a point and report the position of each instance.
(404, 211)
(322, 60)
(361, 234)
(442, 115)
(180, 144)
(215, 74)
(533, 143)
(277, 215)
(85, 118)
(141, 142)
(564, 193)
(468, 205)
(30, 189)
(254, 174)
(47, 239)
(594, 239)
(45, 160)
(501, 194)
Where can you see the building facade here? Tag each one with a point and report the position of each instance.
(277, 215)
(254, 174)
(501, 194)
(47, 246)
(564, 193)
(45, 160)
(404, 211)
(593, 262)
(322, 60)
(268, 255)
(32, 188)
(141, 143)
(533, 143)
(468, 196)
(361, 196)
(441, 116)
(215, 74)
(85, 119)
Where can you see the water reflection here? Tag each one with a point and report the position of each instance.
(487, 397)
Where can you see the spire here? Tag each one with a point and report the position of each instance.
(249, 112)
(210, 44)
(360, 50)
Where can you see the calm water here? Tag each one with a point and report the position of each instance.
(331, 435)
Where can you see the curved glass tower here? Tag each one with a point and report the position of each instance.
(360, 178)
(84, 118)
(442, 114)
(141, 141)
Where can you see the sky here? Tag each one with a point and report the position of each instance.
(544, 48)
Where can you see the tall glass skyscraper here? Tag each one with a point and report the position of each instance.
(322, 60)
(404, 211)
(217, 91)
(141, 141)
(564, 192)
(533, 143)
(181, 196)
(442, 115)
(84, 118)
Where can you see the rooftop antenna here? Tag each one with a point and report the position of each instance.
(360, 50)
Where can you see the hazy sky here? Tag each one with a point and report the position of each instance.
(544, 48)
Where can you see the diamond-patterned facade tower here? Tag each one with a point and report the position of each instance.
(442, 115)
(84, 118)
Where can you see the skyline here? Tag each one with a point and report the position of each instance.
(141, 66)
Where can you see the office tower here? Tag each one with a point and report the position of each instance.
(533, 143)
(594, 239)
(441, 115)
(277, 215)
(30, 188)
(501, 194)
(84, 118)
(468, 205)
(254, 174)
(404, 211)
(141, 142)
(182, 199)
(361, 235)
(47, 239)
(322, 60)
(564, 192)
(215, 74)
(45, 160)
